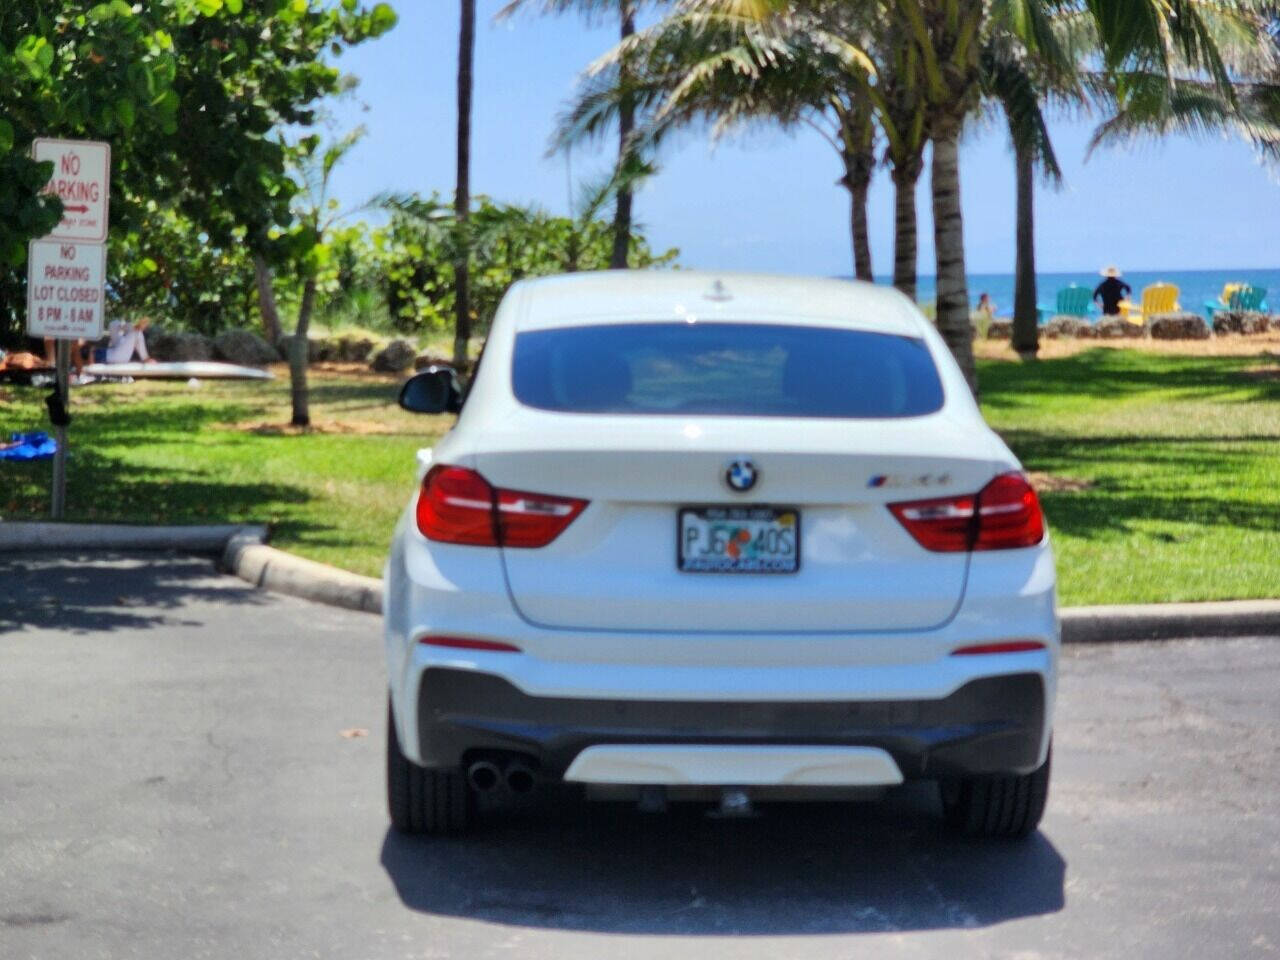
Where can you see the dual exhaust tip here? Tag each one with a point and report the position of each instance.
(486, 776)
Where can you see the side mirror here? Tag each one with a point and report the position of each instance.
(434, 390)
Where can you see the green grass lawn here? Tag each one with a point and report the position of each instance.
(164, 453)
(1180, 460)
(1162, 472)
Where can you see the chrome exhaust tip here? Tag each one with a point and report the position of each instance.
(519, 778)
(483, 776)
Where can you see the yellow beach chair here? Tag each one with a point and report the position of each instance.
(1156, 299)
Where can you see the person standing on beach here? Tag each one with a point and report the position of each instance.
(1111, 291)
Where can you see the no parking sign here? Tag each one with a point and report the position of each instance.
(65, 283)
(66, 270)
(82, 181)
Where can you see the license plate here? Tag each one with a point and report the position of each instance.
(738, 540)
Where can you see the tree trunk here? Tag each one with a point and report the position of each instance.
(572, 251)
(858, 151)
(1026, 332)
(462, 192)
(626, 126)
(858, 224)
(298, 357)
(266, 300)
(948, 241)
(905, 254)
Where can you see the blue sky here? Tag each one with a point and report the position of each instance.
(769, 200)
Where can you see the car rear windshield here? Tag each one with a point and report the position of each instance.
(725, 369)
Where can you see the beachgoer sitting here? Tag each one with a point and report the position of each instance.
(76, 353)
(125, 339)
(1111, 291)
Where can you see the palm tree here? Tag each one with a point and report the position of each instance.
(1020, 83)
(1141, 105)
(796, 65)
(630, 167)
(1031, 145)
(1151, 35)
(939, 44)
(627, 157)
(315, 214)
(903, 120)
(1060, 67)
(857, 150)
(462, 192)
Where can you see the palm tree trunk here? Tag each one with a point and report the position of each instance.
(858, 224)
(858, 167)
(858, 151)
(462, 192)
(948, 241)
(626, 126)
(298, 358)
(266, 300)
(1026, 333)
(905, 252)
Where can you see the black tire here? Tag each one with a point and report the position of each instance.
(997, 807)
(420, 800)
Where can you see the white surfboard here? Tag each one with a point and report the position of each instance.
(179, 370)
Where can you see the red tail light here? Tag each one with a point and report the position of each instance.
(456, 506)
(944, 524)
(460, 506)
(468, 643)
(1009, 646)
(1002, 515)
(1008, 514)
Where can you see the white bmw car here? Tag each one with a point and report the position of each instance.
(720, 537)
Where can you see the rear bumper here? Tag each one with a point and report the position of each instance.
(989, 725)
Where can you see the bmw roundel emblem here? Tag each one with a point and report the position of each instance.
(741, 475)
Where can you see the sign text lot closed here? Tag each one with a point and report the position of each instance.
(81, 179)
(65, 289)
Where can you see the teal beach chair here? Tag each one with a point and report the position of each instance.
(1240, 296)
(1072, 301)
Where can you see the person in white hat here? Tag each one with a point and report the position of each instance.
(1111, 291)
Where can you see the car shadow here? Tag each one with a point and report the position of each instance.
(792, 869)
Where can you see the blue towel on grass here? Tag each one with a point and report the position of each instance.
(30, 446)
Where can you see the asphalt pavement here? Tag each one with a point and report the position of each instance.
(190, 768)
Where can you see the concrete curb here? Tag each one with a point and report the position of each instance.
(271, 569)
(243, 551)
(1170, 621)
(22, 537)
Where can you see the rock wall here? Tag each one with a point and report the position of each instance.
(1064, 326)
(1180, 326)
(173, 346)
(396, 357)
(244, 348)
(1114, 328)
(1242, 321)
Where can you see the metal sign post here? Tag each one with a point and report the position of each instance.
(66, 274)
(58, 501)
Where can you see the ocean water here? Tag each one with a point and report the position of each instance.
(1195, 286)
